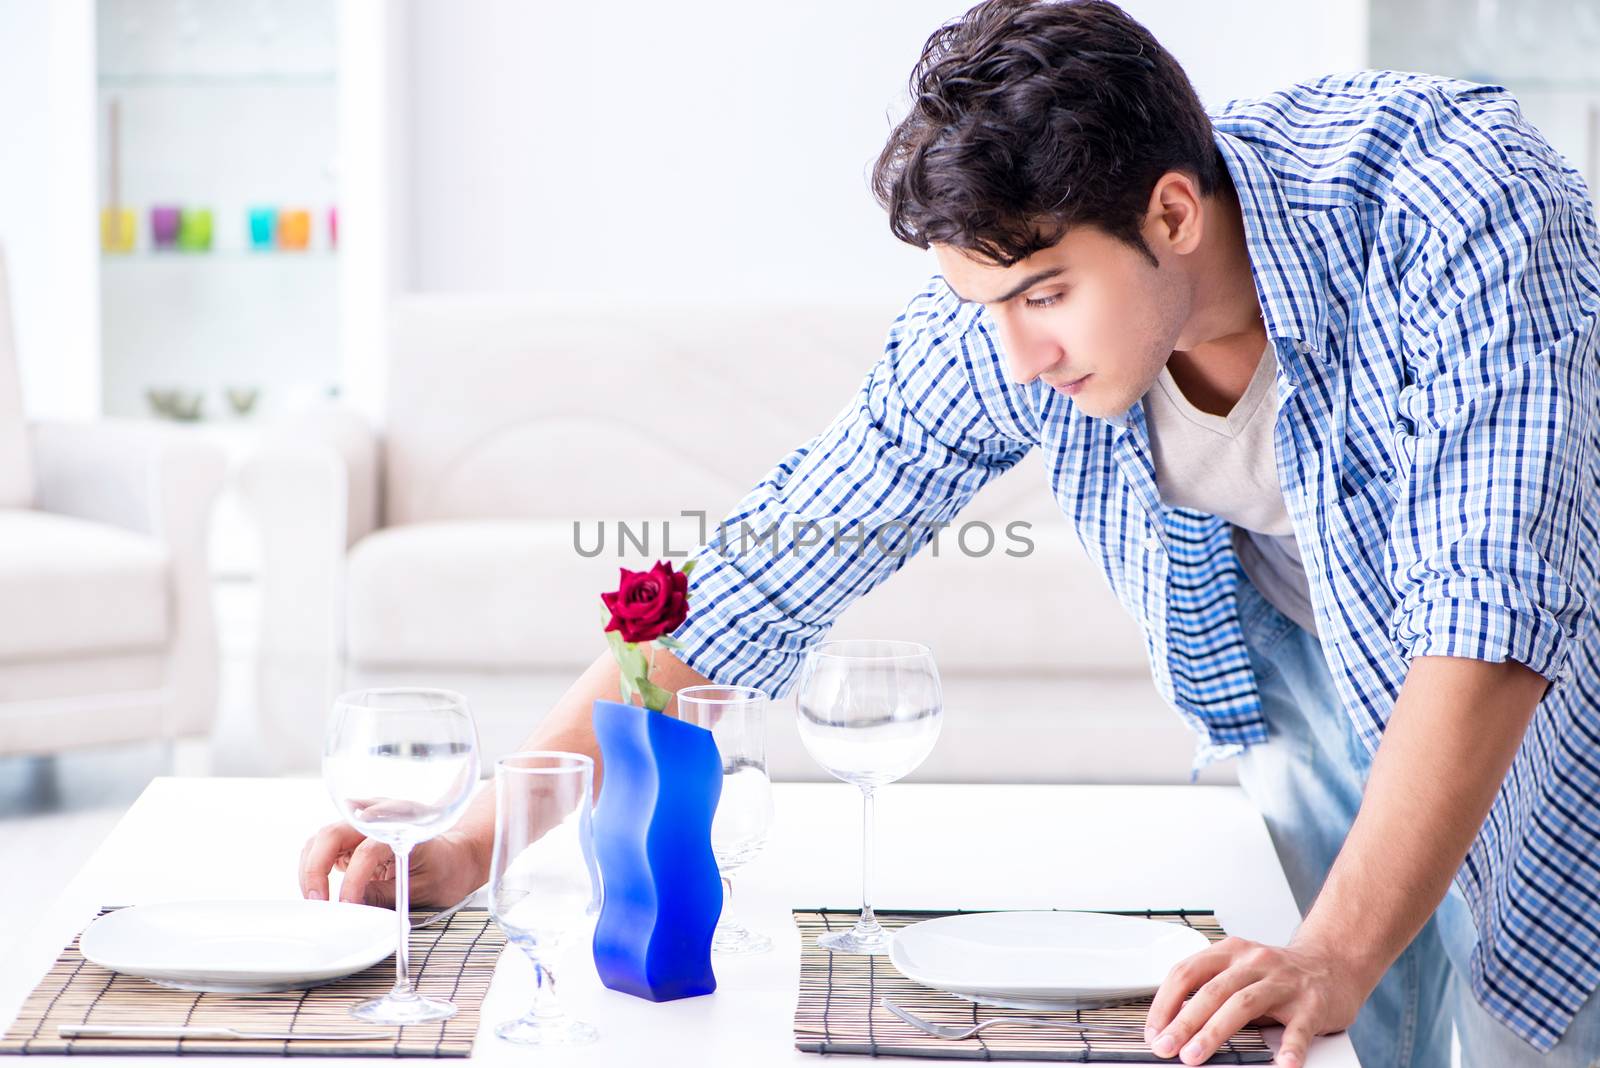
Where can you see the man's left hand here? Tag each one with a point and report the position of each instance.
(1236, 982)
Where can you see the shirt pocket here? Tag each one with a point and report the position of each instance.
(1357, 548)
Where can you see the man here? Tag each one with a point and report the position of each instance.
(1315, 377)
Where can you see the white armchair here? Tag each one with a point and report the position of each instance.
(106, 631)
(439, 550)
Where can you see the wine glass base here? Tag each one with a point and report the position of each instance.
(870, 944)
(733, 939)
(401, 1012)
(555, 1031)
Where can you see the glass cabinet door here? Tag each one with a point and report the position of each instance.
(218, 205)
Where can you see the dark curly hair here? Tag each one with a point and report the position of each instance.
(1028, 118)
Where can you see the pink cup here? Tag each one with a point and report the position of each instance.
(164, 225)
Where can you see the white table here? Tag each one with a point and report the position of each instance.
(938, 847)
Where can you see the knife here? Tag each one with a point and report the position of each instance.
(127, 1031)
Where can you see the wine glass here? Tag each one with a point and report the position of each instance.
(543, 881)
(869, 712)
(401, 765)
(736, 716)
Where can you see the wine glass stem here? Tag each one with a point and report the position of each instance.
(402, 907)
(545, 1006)
(868, 918)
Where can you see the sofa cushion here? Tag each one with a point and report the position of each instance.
(517, 595)
(69, 587)
(69, 679)
(16, 473)
(507, 407)
(483, 593)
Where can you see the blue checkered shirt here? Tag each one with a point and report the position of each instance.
(1429, 273)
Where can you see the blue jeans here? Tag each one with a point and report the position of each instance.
(1307, 781)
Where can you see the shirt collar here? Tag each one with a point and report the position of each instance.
(1291, 279)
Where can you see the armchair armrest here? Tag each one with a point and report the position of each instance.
(312, 489)
(161, 481)
(157, 480)
(335, 448)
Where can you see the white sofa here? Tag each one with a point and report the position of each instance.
(106, 631)
(440, 549)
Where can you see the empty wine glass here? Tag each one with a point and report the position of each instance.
(543, 882)
(736, 716)
(401, 765)
(869, 713)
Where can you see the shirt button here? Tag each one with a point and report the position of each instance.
(1152, 543)
(1303, 347)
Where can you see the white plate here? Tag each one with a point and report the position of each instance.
(241, 947)
(1077, 958)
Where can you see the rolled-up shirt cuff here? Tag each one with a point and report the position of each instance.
(1479, 629)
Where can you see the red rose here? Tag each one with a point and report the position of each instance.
(648, 604)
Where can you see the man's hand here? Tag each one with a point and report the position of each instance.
(1236, 982)
(443, 870)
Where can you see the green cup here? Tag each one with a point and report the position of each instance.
(194, 229)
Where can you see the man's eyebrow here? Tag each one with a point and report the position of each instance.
(1023, 286)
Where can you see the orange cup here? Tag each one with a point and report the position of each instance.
(294, 229)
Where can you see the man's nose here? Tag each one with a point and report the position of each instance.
(1029, 353)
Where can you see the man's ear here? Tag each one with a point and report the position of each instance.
(1175, 215)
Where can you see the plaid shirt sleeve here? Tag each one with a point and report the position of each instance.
(1494, 430)
(846, 509)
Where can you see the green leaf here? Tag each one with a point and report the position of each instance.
(655, 698)
(687, 567)
(631, 664)
(666, 641)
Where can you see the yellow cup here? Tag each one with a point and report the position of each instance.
(118, 227)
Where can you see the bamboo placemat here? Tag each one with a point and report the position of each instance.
(838, 1010)
(453, 961)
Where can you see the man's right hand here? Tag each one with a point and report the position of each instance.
(444, 870)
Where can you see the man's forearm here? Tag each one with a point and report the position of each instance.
(569, 727)
(1447, 748)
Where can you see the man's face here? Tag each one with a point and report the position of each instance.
(1090, 315)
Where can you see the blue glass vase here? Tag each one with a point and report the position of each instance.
(660, 781)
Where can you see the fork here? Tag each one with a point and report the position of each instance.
(957, 1032)
(138, 1031)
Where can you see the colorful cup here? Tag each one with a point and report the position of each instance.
(118, 229)
(294, 229)
(263, 228)
(194, 229)
(164, 225)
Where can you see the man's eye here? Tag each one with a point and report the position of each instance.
(1041, 302)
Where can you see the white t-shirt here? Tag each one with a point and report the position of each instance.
(1226, 465)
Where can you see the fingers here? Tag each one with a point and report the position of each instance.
(321, 853)
(380, 891)
(1247, 1003)
(1296, 1041)
(1185, 977)
(366, 866)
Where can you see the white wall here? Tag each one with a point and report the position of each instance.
(647, 149)
(48, 220)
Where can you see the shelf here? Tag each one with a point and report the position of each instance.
(306, 80)
(218, 255)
